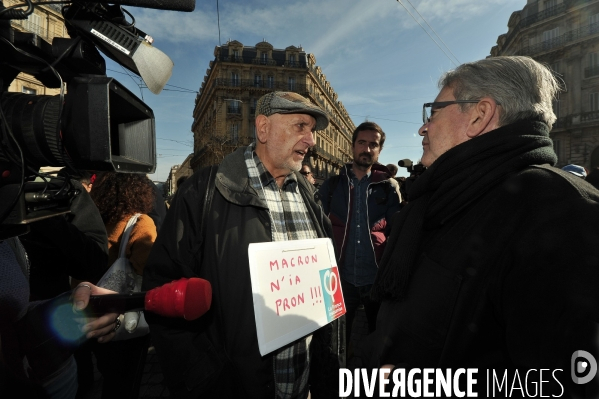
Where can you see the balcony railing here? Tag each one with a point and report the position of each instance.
(326, 155)
(575, 119)
(249, 83)
(264, 84)
(549, 12)
(30, 27)
(559, 41)
(234, 58)
(333, 101)
(260, 61)
(591, 71)
(531, 19)
(234, 110)
(294, 64)
(589, 116)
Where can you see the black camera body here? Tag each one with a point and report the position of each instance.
(416, 169)
(97, 125)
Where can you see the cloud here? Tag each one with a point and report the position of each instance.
(374, 54)
(338, 25)
(177, 27)
(443, 11)
(352, 28)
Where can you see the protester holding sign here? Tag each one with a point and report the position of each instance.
(258, 196)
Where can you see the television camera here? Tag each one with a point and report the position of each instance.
(416, 169)
(97, 125)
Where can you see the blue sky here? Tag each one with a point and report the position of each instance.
(380, 62)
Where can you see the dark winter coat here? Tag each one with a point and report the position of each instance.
(217, 355)
(506, 279)
(382, 199)
(74, 244)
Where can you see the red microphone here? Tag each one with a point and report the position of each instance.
(187, 298)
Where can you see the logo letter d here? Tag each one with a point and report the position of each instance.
(583, 366)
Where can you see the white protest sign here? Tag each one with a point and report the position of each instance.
(296, 289)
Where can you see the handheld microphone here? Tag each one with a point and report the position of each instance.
(187, 298)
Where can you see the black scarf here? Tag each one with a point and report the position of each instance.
(455, 180)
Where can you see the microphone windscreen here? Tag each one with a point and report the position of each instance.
(198, 298)
(187, 298)
(154, 67)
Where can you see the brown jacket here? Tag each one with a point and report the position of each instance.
(140, 242)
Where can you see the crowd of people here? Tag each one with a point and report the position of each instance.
(489, 260)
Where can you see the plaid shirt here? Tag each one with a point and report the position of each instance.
(290, 221)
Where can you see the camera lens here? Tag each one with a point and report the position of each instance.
(34, 123)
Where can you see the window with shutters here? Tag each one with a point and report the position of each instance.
(593, 66)
(234, 79)
(550, 34)
(594, 23)
(234, 107)
(234, 130)
(33, 24)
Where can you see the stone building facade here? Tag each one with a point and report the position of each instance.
(183, 171)
(177, 172)
(47, 22)
(564, 34)
(171, 180)
(238, 76)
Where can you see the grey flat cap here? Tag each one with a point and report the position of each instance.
(287, 102)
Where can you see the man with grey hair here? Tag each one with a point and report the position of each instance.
(256, 195)
(494, 263)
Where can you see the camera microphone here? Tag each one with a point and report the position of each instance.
(187, 298)
(404, 163)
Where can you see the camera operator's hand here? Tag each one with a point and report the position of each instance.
(103, 328)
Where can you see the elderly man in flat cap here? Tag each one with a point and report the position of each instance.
(258, 196)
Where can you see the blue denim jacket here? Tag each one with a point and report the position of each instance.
(360, 265)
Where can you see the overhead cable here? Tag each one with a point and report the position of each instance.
(429, 35)
(439, 37)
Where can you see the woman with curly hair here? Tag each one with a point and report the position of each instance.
(118, 197)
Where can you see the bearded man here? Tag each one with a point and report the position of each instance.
(360, 203)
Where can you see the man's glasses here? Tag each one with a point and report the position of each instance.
(429, 108)
(303, 172)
